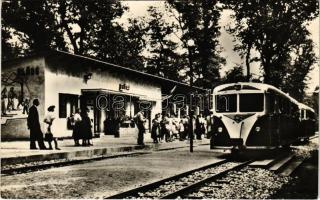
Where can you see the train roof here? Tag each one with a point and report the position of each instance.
(254, 86)
(303, 106)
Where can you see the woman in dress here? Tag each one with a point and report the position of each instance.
(76, 134)
(86, 129)
(49, 135)
(155, 128)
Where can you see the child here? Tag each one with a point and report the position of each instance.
(49, 136)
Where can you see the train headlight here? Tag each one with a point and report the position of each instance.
(220, 129)
(258, 129)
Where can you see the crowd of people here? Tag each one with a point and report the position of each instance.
(36, 134)
(167, 128)
(164, 128)
(80, 123)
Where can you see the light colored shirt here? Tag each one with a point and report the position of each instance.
(48, 119)
(77, 117)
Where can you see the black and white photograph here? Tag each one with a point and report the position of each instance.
(160, 99)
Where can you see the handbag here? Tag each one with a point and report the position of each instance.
(48, 136)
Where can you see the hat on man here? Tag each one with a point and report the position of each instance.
(51, 108)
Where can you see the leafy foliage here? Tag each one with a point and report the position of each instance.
(277, 31)
(164, 60)
(84, 27)
(234, 75)
(198, 22)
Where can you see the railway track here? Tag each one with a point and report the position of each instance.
(221, 179)
(181, 184)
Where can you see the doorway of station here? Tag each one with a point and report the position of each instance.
(109, 110)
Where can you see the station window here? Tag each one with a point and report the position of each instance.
(68, 103)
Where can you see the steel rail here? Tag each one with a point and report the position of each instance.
(135, 191)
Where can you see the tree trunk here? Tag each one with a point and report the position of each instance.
(248, 62)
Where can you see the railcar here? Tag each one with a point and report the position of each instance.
(257, 116)
(307, 122)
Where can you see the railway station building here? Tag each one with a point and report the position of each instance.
(70, 81)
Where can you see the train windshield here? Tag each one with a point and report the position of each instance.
(251, 102)
(226, 103)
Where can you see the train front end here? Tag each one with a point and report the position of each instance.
(239, 122)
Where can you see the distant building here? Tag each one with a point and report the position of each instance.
(70, 81)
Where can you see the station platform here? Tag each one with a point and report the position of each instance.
(18, 152)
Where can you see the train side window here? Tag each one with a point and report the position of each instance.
(280, 105)
(271, 103)
(309, 115)
(303, 114)
(285, 106)
(294, 110)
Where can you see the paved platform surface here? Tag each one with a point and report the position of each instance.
(100, 179)
(19, 152)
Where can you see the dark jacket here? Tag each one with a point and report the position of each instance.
(86, 127)
(33, 123)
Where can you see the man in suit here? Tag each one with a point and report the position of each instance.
(34, 126)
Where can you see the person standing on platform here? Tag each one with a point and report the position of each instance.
(49, 136)
(155, 130)
(198, 128)
(4, 101)
(140, 120)
(76, 134)
(117, 123)
(167, 127)
(86, 131)
(34, 126)
(185, 122)
(181, 130)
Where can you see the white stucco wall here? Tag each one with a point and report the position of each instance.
(59, 79)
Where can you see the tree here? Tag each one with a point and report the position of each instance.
(34, 19)
(198, 24)
(275, 29)
(312, 100)
(8, 50)
(85, 21)
(163, 61)
(87, 28)
(234, 75)
(136, 43)
(297, 70)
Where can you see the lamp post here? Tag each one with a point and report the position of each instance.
(190, 52)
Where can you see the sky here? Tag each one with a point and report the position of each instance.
(139, 9)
